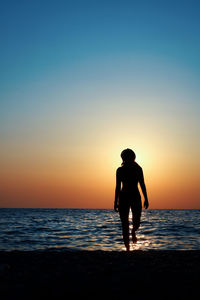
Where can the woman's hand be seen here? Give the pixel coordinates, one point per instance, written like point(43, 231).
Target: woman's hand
point(116, 207)
point(146, 203)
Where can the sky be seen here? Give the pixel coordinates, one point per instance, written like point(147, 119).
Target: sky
point(82, 80)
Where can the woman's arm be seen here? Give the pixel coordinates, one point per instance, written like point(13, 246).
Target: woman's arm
point(117, 191)
point(144, 191)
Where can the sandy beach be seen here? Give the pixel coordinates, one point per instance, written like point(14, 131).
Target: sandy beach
point(99, 274)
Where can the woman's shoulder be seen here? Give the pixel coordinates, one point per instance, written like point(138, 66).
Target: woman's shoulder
point(127, 167)
point(137, 166)
point(119, 169)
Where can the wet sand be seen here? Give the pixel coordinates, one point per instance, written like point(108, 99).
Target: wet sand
point(99, 274)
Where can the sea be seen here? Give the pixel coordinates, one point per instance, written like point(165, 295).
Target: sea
point(96, 229)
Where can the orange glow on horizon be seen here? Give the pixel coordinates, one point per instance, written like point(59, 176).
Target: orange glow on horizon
point(90, 183)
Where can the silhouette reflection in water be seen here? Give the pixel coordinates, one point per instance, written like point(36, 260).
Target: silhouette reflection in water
point(128, 196)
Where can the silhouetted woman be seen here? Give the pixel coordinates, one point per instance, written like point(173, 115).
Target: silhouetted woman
point(128, 197)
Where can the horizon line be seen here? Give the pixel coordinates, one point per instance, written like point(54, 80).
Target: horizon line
point(95, 208)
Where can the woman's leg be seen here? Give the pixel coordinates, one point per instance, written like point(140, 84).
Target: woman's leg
point(124, 214)
point(125, 232)
point(136, 213)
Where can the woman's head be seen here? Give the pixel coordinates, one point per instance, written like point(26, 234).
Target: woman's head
point(128, 156)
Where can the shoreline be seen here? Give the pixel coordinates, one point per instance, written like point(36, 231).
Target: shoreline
point(54, 274)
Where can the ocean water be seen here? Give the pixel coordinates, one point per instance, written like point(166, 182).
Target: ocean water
point(96, 229)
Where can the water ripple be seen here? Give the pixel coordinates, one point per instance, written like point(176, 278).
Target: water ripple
point(32, 229)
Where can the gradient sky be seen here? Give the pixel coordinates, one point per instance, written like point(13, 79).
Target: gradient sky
point(82, 80)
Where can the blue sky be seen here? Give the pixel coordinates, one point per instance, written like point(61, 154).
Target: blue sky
point(55, 47)
point(42, 37)
point(50, 50)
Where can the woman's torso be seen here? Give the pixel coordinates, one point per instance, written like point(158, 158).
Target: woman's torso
point(130, 176)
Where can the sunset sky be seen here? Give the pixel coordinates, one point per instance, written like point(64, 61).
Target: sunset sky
point(82, 80)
